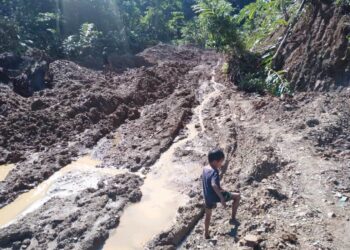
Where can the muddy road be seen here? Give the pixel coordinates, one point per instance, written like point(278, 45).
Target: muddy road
point(112, 161)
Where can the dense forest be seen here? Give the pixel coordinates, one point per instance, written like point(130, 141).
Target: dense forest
point(81, 27)
point(80, 30)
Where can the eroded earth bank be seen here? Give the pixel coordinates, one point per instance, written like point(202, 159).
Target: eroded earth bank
point(113, 161)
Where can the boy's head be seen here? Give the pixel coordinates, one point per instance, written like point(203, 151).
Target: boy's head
point(216, 158)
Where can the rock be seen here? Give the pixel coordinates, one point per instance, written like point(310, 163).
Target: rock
point(331, 215)
point(344, 199)
point(273, 192)
point(288, 107)
point(251, 240)
point(312, 122)
point(289, 237)
point(38, 105)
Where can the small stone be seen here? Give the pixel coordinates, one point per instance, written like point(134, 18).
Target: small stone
point(331, 215)
point(337, 194)
point(261, 230)
point(312, 122)
point(26, 242)
point(251, 240)
point(289, 237)
point(344, 199)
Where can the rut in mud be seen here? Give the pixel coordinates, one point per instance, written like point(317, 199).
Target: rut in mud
point(143, 144)
point(120, 159)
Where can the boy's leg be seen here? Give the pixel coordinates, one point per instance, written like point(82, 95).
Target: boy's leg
point(207, 222)
point(236, 198)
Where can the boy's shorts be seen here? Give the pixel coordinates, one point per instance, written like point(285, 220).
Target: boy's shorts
point(227, 196)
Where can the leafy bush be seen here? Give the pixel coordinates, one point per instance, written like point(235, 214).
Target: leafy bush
point(225, 68)
point(216, 24)
point(257, 20)
point(343, 2)
point(265, 79)
point(190, 34)
point(9, 39)
point(253, 82)
point(276, 84)
point(86, 43)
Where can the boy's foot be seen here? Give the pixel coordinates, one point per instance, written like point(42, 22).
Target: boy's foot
point(234, 221)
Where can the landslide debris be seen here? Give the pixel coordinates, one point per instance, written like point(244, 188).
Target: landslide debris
point(44, 132)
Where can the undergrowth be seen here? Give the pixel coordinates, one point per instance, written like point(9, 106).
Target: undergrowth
point(265, 79)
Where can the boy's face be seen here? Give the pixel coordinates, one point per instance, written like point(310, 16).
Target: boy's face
point(218, 163)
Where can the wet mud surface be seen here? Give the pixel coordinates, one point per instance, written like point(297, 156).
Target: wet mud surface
point(288, 157)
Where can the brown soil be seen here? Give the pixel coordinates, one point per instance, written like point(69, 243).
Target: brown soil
point(289, 157)
point(316, 54)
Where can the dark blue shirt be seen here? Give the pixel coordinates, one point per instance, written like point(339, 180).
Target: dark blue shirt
point(210, 176)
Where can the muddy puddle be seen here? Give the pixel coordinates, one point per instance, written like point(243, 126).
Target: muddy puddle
point(71, 179)
point(4, 170)
point(160, 200)
point(161, 195)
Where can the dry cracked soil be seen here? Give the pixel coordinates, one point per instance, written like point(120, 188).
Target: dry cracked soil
point(148, 130)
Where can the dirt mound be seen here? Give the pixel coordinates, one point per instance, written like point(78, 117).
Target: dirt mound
point(316, 54)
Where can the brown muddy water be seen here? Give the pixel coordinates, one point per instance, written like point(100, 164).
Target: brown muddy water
point(33, 199)
point(159, 203)
point(161, 195)
point(4, 170)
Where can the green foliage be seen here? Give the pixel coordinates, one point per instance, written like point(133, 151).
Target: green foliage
point(266, 80)
point(191, 34)
point(343, 2)
point(269, 81)
point(216, 24)
point(257, 20)
point(9, 40)
point(276, 84)
point(225, 68)
point(253, 82)
point(86, 43)
point(124, 26)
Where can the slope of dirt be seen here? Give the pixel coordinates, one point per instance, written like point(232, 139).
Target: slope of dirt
point(294, 189)
point(316, 54)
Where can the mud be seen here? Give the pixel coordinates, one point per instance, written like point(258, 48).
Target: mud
point(77, 221)
point(4, 170)
point(288, 157)
point(64, 182)
point(281, 172)
point(85, 106)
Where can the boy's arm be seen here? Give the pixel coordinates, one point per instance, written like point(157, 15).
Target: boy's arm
point(217, 190)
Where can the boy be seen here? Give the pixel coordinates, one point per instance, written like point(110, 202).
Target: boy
point(212, 191)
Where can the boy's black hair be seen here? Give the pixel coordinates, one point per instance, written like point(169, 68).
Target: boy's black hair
point(215, 155)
